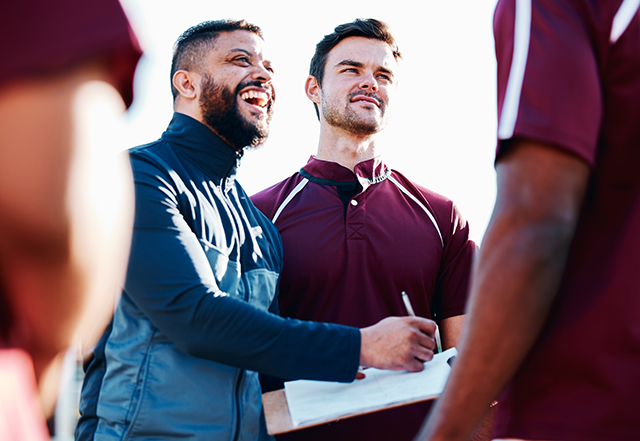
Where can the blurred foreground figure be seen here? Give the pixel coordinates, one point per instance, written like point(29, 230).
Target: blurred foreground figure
point(554, 320)
point(65, 197)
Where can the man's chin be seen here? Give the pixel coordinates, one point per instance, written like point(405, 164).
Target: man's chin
point(365, 128)
point(255, 118)
point(259, 126)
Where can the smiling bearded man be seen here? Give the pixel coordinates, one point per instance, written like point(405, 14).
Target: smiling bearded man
point(220, 112)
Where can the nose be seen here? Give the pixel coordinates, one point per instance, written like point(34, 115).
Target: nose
point(369, 83)
point(262, 74)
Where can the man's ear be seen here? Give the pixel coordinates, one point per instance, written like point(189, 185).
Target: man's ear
point(312, 89)
point(187, 84)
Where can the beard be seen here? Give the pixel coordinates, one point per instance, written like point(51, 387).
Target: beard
point(350, 121)
point(221, 114)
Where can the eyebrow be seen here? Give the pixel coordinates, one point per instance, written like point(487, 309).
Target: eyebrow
point(239, 49)
point(350, 63)
point(359, 64)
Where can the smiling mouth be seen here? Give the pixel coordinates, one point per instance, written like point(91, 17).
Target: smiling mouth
point(366, 99)
point(255, 98)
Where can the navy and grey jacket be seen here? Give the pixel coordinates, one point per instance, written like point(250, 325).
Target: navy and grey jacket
point(191, 330)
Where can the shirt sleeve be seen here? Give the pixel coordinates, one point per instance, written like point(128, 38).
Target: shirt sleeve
point(170, 280)
point(455, 269)
point(458, 253)
point(548, 82)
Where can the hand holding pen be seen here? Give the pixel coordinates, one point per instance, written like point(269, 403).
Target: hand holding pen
point(398, 343)
point(407, 304)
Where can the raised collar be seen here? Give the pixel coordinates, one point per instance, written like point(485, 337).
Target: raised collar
point(322, 172)
point(200, 145)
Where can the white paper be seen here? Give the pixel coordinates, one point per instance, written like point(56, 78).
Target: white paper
point(314, 401)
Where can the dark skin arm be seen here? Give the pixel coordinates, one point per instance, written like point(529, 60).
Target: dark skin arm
point(450, 333)
point(540, 193)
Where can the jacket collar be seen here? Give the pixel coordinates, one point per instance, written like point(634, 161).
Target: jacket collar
point(203, 147)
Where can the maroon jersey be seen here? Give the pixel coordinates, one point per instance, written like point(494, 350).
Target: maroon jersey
point(41, 36)
point(569, 76)
point(348, 255)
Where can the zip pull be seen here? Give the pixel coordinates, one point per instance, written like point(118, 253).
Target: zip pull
point(239, 155)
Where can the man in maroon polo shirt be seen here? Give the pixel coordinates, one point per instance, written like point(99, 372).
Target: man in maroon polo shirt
point(556, 294)
point(356, 234)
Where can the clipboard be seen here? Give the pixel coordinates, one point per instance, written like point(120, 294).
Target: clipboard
point(278, 418)
point(278, 413)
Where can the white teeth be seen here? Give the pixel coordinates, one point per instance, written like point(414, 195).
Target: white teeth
point(262, 97)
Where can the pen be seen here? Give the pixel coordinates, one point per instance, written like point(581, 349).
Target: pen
point(407, 304)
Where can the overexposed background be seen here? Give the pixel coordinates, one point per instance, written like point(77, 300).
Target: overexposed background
point(441, 132)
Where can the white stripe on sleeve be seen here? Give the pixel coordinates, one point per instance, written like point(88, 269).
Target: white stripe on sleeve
point(621, 21)
point(420, 204)
point(522, 34)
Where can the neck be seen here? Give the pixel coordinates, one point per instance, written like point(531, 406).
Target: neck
point(188, 107)
point(345, 148)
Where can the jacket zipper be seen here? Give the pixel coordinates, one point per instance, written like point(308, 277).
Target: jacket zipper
point(236, 163)
point(241, 374)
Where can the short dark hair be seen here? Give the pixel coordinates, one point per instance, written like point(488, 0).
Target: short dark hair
point(367, 28)
point(189, 48)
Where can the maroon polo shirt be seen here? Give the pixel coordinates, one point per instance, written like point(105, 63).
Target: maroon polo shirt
point(348, 255)
point(45, 36)
point(571, 78)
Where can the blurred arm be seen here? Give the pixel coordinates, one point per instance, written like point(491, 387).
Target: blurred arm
point(540, 193)
point(451, 332)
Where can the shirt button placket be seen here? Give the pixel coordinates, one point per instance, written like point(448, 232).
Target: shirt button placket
point(355, 221)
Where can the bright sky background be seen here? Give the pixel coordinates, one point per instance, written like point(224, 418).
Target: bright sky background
point(442, 128)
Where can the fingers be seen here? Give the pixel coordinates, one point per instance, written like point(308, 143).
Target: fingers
point(425, 325)
point(424, 345)
point(414, 365)
point(398, 343)
point(427, 336)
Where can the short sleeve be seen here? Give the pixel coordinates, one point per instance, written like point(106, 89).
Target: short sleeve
point(455, 272)
point(548, 82)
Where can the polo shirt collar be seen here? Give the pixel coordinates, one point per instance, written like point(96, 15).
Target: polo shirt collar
point(329, 173)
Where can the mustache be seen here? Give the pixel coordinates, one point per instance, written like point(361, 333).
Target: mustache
point(368, 95)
